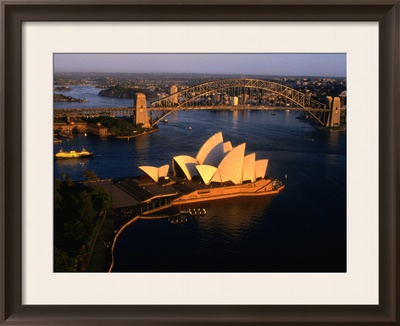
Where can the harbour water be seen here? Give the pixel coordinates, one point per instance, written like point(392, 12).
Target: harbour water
point(90, 94)
point(301, 230)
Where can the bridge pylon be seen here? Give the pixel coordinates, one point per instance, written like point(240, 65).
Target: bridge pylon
point(334, 104)
point(141, 115)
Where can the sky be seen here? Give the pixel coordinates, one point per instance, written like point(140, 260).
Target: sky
point(326, 65)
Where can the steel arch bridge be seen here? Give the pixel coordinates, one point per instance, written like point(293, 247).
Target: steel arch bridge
point(180, 99)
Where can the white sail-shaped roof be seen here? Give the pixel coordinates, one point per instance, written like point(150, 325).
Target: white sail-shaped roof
point(163, 171)
point(216, 161)
point(212, 151)
point(231, 166)
point(186, 164)
point(249, 167)
point(154, 172)
point(151, 171)
point(227, 146)
point(217, 177)
point(261, 168)
point(206, 172)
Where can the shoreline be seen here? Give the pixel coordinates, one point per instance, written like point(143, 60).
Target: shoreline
point(82, 128)
point(134, 136)
point(131, 221)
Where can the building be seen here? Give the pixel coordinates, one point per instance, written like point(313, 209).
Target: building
point(218, 171)
point(217, 161)
point(174, 98)
point(96, 129)
point(235, 101)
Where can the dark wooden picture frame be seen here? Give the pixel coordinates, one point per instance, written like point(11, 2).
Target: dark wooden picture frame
point(14, 12)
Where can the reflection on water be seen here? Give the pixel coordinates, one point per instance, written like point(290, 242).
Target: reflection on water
point(218, 241)
point(73, 163)
point(234, 216)
point(141, 147)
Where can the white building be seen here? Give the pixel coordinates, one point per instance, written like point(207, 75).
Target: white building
point(217, 161)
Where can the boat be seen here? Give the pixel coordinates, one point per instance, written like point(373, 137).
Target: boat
point(73, 154)
point(65, 133)
point(178, 220)
point(197, 211)
point(194, 212)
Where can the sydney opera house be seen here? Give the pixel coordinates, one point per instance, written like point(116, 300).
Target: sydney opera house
point(218, 171)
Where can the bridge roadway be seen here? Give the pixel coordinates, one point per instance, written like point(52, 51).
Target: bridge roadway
point(128, 111)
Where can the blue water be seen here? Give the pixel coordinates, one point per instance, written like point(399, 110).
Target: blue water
point(90, 94)
point(301, 230)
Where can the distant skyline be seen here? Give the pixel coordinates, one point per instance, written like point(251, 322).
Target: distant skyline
point(313, 64)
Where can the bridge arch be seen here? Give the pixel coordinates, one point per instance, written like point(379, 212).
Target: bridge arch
point(315, 108)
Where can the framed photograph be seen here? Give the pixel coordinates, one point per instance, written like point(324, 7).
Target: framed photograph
point(217, 202)
point(199, 163)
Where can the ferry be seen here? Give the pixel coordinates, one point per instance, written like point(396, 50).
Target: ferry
point(73, 154)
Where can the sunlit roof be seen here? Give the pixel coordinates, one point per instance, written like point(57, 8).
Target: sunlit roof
point(216, 161)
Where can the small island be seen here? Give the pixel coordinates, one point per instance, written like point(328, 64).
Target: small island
point(120, 91)
point(64, 98)
point(62, 88)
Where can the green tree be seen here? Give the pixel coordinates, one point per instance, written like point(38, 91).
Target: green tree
point(101, 199)
point(58, 198)
point(75, 209)
point(74, 229)
point(91, 176)
point(62, 262)
point(86, 212)
point(69, 182)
